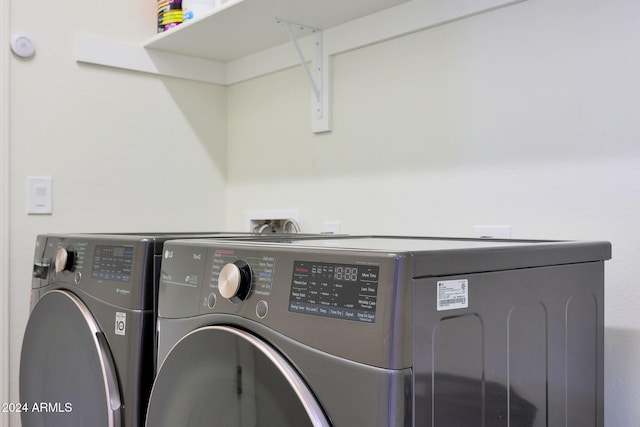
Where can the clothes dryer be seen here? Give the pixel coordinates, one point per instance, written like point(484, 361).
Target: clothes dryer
point(380, 331)
point(89, 349)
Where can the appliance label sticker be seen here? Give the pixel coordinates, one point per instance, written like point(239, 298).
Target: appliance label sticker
point(453, 294)
point(121, 323)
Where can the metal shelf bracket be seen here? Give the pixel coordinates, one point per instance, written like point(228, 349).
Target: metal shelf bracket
point(317, 75)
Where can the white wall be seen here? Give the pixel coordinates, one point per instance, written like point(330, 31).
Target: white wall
point(4, 208)
point(126, 151)
point(524, 116)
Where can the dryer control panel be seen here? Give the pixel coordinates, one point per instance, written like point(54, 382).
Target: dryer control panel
point(342, 291)
point(197, 279)
point(335, 301)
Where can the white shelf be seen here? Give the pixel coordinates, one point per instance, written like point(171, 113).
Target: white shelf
point(242, 27)
point(241, 39)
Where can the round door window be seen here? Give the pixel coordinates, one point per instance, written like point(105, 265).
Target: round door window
point(66, 371)
point(222, 376)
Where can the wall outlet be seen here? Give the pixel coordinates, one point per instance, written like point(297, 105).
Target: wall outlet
point(265, 222)
point(331, 227)
point(492, 231)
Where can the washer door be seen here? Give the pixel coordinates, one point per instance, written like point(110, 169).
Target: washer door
point(223, 376)
point(67, 375)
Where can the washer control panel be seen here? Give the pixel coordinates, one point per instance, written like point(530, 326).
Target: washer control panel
point(59, 258)
point(112, 262)
point(115, 268)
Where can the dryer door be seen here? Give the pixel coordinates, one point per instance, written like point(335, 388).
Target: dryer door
point(223, 376)
point(67, 376)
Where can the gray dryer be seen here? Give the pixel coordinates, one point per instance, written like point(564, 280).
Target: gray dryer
point(381, 331)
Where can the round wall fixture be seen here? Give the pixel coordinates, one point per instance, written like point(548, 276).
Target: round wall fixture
point(22, 45)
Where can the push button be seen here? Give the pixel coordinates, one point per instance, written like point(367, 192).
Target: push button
point(262, 308)
point(211, 300)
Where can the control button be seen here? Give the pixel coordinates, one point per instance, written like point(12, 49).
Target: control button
point(77, 278)
point(262, 308)
point(211, 300)
point(234, 282)
point(64, 260)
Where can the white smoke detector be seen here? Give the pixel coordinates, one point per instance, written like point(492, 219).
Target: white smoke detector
point(22, 45)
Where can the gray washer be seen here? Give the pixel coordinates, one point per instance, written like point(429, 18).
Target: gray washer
point(381, 331)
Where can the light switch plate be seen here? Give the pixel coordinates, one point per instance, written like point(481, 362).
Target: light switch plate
point(40, 197)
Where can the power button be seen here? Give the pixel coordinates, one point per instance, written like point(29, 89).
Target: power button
point(262, 308)
point(211, 300)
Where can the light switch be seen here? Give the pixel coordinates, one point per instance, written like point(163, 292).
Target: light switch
point(39, 198)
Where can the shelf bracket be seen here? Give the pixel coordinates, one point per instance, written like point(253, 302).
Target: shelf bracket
point(316, 74)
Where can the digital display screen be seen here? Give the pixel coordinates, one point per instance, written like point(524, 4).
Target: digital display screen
point(342, 291)
point(112, 263)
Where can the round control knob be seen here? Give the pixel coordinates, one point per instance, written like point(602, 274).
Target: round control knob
point(64, 260)
point(234, 282)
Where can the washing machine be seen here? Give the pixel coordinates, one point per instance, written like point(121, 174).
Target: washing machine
point(89, 349)
point(380, 331)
